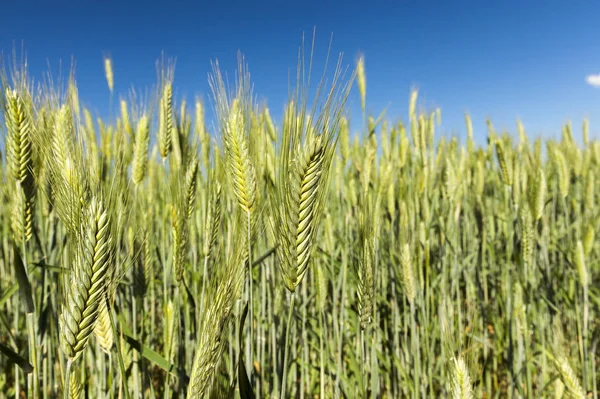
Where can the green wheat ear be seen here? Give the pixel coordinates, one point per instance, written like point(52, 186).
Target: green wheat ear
point(366, 283)
point(165, 124)
point(569, 378)
point(504, 163)
point(212, 221)
point(536, 188)
point(140, 151)
point(408, 276)
point(87, 282)
point(75, 386)
point(214, 325)
point(19, 146)
point(301, 206)
point(461, 386)
point(240, 167)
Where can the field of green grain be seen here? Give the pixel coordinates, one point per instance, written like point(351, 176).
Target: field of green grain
point(153, 254)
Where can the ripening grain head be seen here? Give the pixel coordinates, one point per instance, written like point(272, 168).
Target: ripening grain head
point(108, 71)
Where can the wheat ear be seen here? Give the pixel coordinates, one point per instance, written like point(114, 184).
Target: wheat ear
point(461, 386)
point(297, 225)
point(140, 151)
point(214, 325)
point(165, 120)
point(241, 169)
point(88, 279)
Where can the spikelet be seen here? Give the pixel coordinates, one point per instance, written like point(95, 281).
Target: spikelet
point(181, 134)
point(369, 163)
point(391, 199)
point(271, 130)
point(125, 118)
point(212, 221)
point(403, 148)
point(563, 172)
point(491, 131)
point(567, 133)
point(520, 315)
point(404, 222)
point(344, 139)
point(21, 215)
point(108, 71)
point(589, 200)
point(148, 260)
point(527, 235)
point(523, 141)
point(214, 325)
point(536, 188)
point(412, 105)
point(165, 120)
point(568, 377)
point(579, 263)
point(461, 386)
point(430, 129)
point(361, 81)
point(588, 239)
point(67, 177)
point(516, 178)
point(469, 127)
point(559, 389)
point(170, 338)
point(450, 181)
point(91, 144)
point(408, 277)
point(422, 139)
point(191, 181)
point(479, 178)
point(178, 232)
point(88, 280)
point(75, 386)
point(240, 168)
point(504, 162)
point(103, 330)
point(366, 282)
point(74, 96)
point(301, 205)
point(322, 288)
point(19, 145)
point(140, 152)
point(574, 159)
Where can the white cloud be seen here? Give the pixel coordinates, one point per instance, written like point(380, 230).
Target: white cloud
point(593, 80)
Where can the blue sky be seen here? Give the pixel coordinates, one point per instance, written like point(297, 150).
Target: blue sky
point(504, 60)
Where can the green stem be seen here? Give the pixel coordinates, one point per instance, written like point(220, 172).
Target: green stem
point(286, 348)
point(66, 393)
point(32, 355)
point(119, 355)
point(585, 336)
point(250, 358)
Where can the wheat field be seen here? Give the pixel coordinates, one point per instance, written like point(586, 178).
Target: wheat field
point(155, 254)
